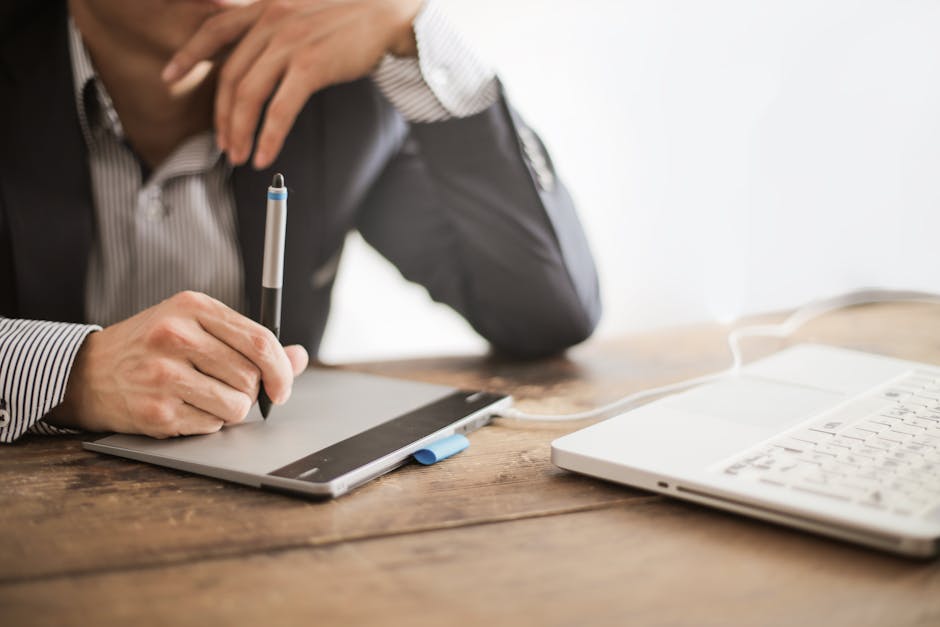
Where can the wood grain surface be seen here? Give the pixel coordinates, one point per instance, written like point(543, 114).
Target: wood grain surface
point(495, 534)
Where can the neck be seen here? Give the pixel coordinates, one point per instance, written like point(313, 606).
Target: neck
point(156, 118)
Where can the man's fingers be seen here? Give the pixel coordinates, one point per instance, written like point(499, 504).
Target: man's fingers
point(233, 71)
point(217, 359)
point(249, 96)
point(169, 417)
point(298, 357)
point(296, 87)
point(214, 397)
point(194, 421)
point(213, 35)
point(254, 342)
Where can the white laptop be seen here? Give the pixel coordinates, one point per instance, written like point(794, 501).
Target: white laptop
point(833, 441)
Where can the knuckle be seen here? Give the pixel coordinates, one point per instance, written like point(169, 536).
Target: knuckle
point(159, 333)
point(168, 334)
point(241, 404)
point(246, 93)
point(307, 64)
point(250, 380)
point(231, 406)
point(277, 111)
point(277, 120)
point(158, 416)
point(268, 145)
point(262, 341)
point(186, 299)
point(215, 25)
point(162, 373)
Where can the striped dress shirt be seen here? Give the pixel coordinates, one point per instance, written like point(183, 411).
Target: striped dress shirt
point(149, 222)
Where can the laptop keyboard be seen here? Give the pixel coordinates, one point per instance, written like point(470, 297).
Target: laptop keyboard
point(881, 450)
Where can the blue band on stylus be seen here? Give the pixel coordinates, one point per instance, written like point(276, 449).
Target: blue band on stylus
point(277, 195)
point(442, 449)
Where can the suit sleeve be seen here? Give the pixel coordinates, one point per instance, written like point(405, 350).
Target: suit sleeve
point(472, 209)
point(36, 358)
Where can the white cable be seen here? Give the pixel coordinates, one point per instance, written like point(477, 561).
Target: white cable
point(784, 329)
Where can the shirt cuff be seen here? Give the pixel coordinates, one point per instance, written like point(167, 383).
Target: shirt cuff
point(36, 359)
point(447, 80)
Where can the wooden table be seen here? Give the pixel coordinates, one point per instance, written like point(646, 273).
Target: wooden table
point(493, 536)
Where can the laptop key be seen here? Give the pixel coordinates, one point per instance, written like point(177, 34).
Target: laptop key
point(791, 446)
point(881, 452)
point(821, 491)
point(811, 435)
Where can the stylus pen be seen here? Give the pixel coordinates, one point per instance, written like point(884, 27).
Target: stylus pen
point(272, 274)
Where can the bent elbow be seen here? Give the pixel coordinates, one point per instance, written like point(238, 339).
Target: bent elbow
point(548, 333)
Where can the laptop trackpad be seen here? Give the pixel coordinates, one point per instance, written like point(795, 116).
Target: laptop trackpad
point(755, 402)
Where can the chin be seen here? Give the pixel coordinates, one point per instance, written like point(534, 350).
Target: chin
point(162, 25)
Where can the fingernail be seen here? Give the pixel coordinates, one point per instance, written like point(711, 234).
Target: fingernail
point(170, 72)
point(261, 159)
point(220, 141)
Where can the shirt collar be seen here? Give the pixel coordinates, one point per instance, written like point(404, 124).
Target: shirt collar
point(95, 108)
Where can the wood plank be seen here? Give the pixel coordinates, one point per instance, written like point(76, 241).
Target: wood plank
point(86, 512)
point(650, 562)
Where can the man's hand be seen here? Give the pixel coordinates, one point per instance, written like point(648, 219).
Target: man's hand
point(188, 365)
point(291, 49)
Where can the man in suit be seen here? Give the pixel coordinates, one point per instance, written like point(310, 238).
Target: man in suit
point(136, 142)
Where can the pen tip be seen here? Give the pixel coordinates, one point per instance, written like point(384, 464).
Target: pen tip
point(278, 180)
point(264, 404)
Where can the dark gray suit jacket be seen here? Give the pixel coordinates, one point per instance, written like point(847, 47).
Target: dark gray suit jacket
point(455, 205)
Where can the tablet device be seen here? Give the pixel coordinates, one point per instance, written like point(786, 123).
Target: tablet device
point(338, 430)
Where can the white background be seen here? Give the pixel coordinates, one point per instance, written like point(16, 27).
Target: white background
point(727, 157)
